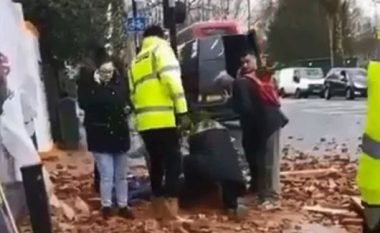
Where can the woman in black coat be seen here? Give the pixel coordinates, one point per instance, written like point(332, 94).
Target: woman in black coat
point(102, 94)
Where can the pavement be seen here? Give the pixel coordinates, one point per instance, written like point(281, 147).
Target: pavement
point(318, 125)
point(329, 125)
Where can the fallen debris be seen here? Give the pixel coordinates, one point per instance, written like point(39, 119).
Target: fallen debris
point(322, 186)
point(54, 202)
point(352, 221)
point(68, 212)
point(82, 206)
point(357, 205)
point(330, 211)
point(310, 172)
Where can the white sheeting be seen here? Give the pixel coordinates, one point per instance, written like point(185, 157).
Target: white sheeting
point(20, 49)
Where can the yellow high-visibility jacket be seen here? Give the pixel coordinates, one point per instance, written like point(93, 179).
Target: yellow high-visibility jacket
point(156, 90)
point(368, 175)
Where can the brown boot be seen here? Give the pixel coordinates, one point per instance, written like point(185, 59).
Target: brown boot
point(158, 208)
point(172, 211)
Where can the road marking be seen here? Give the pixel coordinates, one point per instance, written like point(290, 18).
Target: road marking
point(323, 107)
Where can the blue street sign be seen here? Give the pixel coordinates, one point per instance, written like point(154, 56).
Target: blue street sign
point(136, 24)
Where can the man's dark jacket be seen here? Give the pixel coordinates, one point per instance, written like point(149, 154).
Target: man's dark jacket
point(256, 118)
point(105, 120)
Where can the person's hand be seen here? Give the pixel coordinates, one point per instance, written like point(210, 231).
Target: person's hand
point(127, 110)
point(184, 122)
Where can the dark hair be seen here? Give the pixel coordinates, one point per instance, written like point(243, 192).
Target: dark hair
point(154, 30)
point(247, 51)
point(101, 56)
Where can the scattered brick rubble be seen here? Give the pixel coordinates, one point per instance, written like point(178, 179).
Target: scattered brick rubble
point(314, 190)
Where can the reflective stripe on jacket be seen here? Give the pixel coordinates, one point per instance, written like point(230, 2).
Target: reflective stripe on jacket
point(369, 160)
point(155, 84)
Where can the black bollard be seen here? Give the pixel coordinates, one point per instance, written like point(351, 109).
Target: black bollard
point(69, 123)
point(36, 198)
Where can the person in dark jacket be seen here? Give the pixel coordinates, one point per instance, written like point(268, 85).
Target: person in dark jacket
point(213, 161)
point(102, 94)
point(255, 100)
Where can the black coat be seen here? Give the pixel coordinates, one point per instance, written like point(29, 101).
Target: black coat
point(106, 122)
point(256, 118)
point(213, 159)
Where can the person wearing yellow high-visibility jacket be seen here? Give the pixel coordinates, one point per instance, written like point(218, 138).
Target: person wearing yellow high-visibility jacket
point(368, 175)
point(158, 99)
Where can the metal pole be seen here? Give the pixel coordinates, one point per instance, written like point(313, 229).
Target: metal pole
point(249, 14)
point(170, 5)
point(377, 26)
point(36, 198)
point(134, 12)
point(209, 10)
point(10, 220)
point(202, 11)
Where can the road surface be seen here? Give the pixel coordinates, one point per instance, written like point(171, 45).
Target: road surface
point(317, 125)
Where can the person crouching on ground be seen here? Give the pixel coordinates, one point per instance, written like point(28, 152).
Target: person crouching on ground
point(255, 100)
point(103, 97)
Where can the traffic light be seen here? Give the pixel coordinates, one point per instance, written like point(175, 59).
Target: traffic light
point(174, 12)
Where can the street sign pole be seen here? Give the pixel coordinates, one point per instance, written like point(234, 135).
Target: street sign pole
point(134, 12)
point(169, 15)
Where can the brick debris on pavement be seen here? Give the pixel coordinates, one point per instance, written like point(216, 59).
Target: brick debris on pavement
point(315, 191)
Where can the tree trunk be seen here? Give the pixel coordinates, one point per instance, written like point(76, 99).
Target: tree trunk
point(338, 40)
point(331, 40)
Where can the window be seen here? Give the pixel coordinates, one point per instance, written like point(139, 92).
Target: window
point(185, 36)
point(333, 73)
point(357, 72)
point(313, 73)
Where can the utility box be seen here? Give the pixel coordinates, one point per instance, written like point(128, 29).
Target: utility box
point(69, 123)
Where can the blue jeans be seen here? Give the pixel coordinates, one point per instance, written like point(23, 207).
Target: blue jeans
point(113, 169)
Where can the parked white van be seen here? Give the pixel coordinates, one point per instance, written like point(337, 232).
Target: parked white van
point(301, 82)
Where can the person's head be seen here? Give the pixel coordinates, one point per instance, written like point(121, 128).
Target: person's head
point(248, 61)
point(343, 73)
point(101, 56)
point(154, 30)
point(104, 64)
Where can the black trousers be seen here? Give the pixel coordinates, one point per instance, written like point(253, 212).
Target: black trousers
point(230, 194)
point(372, 217)
point(263, 160)
point(164, 159)
point(198, 184)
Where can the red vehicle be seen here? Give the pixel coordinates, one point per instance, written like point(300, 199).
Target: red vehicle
point(207, 28)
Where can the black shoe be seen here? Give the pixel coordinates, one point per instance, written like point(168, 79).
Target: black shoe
point(106, 212)
point(126, 213)
point(254, 189)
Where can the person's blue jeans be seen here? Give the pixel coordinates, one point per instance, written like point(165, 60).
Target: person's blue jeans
point(113, 169)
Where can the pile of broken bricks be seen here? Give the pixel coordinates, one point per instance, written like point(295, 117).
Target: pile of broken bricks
point(324, 187)
point(321, 189)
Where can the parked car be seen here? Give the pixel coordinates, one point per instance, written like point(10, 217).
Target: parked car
point(300, 82)
point(347, 82)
